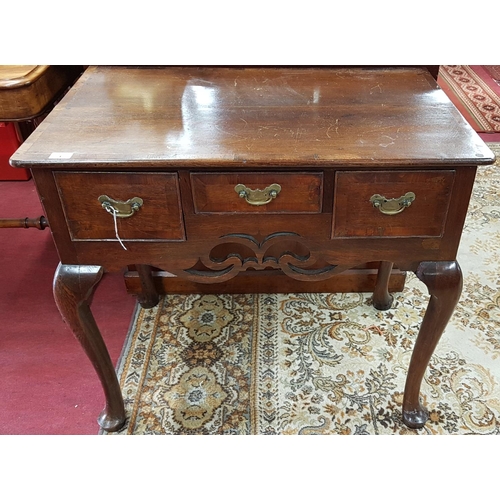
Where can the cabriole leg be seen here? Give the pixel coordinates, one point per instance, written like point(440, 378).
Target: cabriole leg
point(74, 287)
point(148, 297)
point(382, 299)
point(444, 282)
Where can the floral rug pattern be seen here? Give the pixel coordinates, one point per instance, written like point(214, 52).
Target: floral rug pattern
point(321, 363)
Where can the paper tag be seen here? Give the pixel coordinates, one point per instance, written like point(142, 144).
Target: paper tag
point(60, 156)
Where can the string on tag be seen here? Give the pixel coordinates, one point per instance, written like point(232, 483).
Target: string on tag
point(112, 210)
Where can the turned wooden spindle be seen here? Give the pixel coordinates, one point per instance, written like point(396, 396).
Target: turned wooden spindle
point(39, 223)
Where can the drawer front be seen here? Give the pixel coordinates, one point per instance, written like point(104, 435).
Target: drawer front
point(297, 192)
point(158, 218)
point(356, 216)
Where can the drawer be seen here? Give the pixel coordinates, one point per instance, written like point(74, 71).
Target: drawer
point(158, 218)
point(297, 192)
point(356, 216)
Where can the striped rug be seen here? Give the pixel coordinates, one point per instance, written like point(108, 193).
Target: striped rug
point(475, 93)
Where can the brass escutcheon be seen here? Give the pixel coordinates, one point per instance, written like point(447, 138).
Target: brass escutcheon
point(394, 205)
point(258, 196)
point(121, 209)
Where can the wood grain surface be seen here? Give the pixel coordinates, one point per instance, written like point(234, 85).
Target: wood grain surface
point(236, 117)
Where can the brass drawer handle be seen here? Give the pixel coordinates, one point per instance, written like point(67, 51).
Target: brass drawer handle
point(258, 196)
point(394, 205)
point(120, 209)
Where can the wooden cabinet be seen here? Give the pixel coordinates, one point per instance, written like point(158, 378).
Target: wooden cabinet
point(305, 172)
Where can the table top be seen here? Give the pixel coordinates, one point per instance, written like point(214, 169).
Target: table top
point(19, 75)
point(28, 91)
point(240, 117)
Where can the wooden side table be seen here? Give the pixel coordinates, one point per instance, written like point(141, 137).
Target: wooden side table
point(208, 173)
point(27, 94)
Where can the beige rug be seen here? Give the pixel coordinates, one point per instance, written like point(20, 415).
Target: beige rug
point(321, 363)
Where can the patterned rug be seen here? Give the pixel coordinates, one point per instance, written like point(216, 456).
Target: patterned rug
point(321, 363)
point(475, 93)
point(494, 72)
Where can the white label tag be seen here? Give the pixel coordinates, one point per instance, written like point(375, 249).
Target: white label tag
point(60, 156)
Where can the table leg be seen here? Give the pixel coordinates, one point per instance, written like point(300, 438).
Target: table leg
point(148, 297)
point(74, 287)
point(382, 299)
point(444, 282)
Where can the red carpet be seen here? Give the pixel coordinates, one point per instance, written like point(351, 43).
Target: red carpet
point(494, 72)
point(47, 386)
point(475, 93)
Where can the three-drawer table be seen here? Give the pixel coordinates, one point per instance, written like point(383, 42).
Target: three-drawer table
point(209, 173)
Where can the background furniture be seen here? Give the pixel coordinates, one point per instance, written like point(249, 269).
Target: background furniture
point(27, 94)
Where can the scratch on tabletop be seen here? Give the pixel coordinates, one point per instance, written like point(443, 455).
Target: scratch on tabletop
point(201, 80)
point(331, 126)
point(229, 133)
point(376, 87)
point(389, 143)
point(386, 127)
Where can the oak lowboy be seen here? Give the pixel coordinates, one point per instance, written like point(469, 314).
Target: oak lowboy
point(213, 173)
